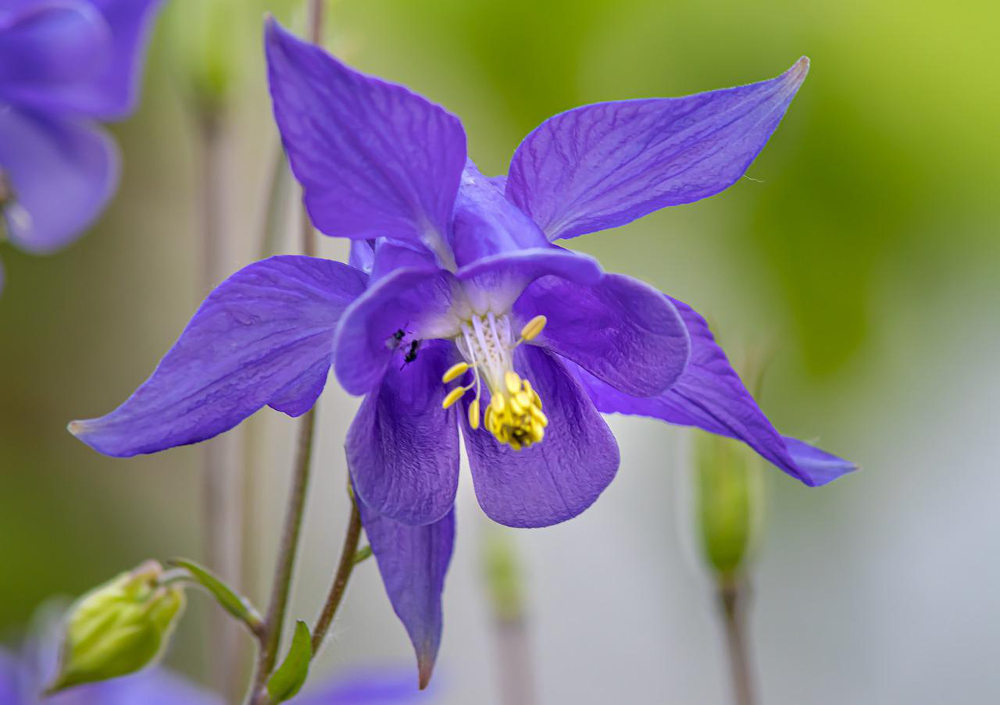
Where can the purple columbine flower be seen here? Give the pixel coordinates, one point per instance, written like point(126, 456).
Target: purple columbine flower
point(455, 293)
point(63, 64)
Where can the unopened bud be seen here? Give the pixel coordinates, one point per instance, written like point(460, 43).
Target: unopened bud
point(729, 486)
point(119, 627)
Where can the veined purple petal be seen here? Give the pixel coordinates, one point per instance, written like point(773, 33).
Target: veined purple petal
point(495, 282)
point(402, 447)
point(264, 336)
point(52, 46)
point(711, 396)
point(375, 159)
point(604, 165)
point(47, 160)
point(409, 304)
point(413, 561)
point(622, 331)
point(485, 223)
point(108, 85)
point(362, 255)
point(553, 480)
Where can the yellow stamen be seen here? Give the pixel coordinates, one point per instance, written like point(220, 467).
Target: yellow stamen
point(453, 396)
point(455, 371)
point(513, 381)
point(533, 327)
point(474, 414)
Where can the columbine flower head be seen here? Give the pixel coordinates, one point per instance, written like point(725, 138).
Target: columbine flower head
point(63, 63)
point(458, 310)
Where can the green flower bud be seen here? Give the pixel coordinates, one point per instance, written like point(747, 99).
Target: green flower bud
point(729, 486)
point(119, 627)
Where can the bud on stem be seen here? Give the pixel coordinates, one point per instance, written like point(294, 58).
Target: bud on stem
point(119, 627)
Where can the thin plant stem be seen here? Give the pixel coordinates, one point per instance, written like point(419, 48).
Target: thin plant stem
point(517, 684)
point(348, 559)
point(281, 586)
point(732, 603)
point(220, 475)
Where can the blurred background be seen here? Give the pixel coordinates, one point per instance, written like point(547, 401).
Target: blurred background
point(862, 253)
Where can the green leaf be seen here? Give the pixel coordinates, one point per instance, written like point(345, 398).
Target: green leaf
point(228, 599)
point(285, 682)
point(363, 554)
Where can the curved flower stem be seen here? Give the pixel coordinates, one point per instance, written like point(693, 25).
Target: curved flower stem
point(348, 559)
point(281, 586)
point(732, 601)
point(221, 476)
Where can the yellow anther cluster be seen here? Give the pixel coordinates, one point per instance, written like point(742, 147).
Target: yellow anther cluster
point(514, 415)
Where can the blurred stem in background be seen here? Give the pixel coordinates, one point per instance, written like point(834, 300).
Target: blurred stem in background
point(205, 36)
point(729, 486)
point(505, 581)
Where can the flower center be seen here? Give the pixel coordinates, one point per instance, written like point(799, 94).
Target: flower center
point(514, 415)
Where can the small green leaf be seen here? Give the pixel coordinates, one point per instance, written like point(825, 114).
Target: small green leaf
point(285, 682)
point(228, 599)
point(364, 553)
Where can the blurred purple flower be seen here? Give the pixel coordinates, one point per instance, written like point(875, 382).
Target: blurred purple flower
point(24, 677)
point(63, 64)
point(454, 276)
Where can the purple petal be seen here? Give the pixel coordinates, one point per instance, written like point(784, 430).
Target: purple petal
point(601, 166)
point(109, 89)
point(375, 159)
point(711, 396)
point(10, 678)
point(362, 255)
point(371, 686)
point(413, 561)
point(264, 336)
point(402, 447)
point(485, 223)
point(50, 47)
point(553, 480)
point(391, 255)
point(408, 300)
point(49, 161)
point(621, 330)
point(494, 283)
point(155, 687)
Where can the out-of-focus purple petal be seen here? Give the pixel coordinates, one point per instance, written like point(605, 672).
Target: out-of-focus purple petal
point(153, 687)
point(553, 480)
point(621, 330)
point(51, 47)
point(413, 561)
point(495, 282)
point(485, 223)
point(10, 679)
point(414, 302)
point(265, 335)
point(63, 174)
point(402, 447)
point(370, 686)
point(375, 159)
point(110, 87)
point(711, 396)
point(600, 166)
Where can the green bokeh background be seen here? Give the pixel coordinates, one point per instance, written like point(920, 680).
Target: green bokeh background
point(861, 252)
